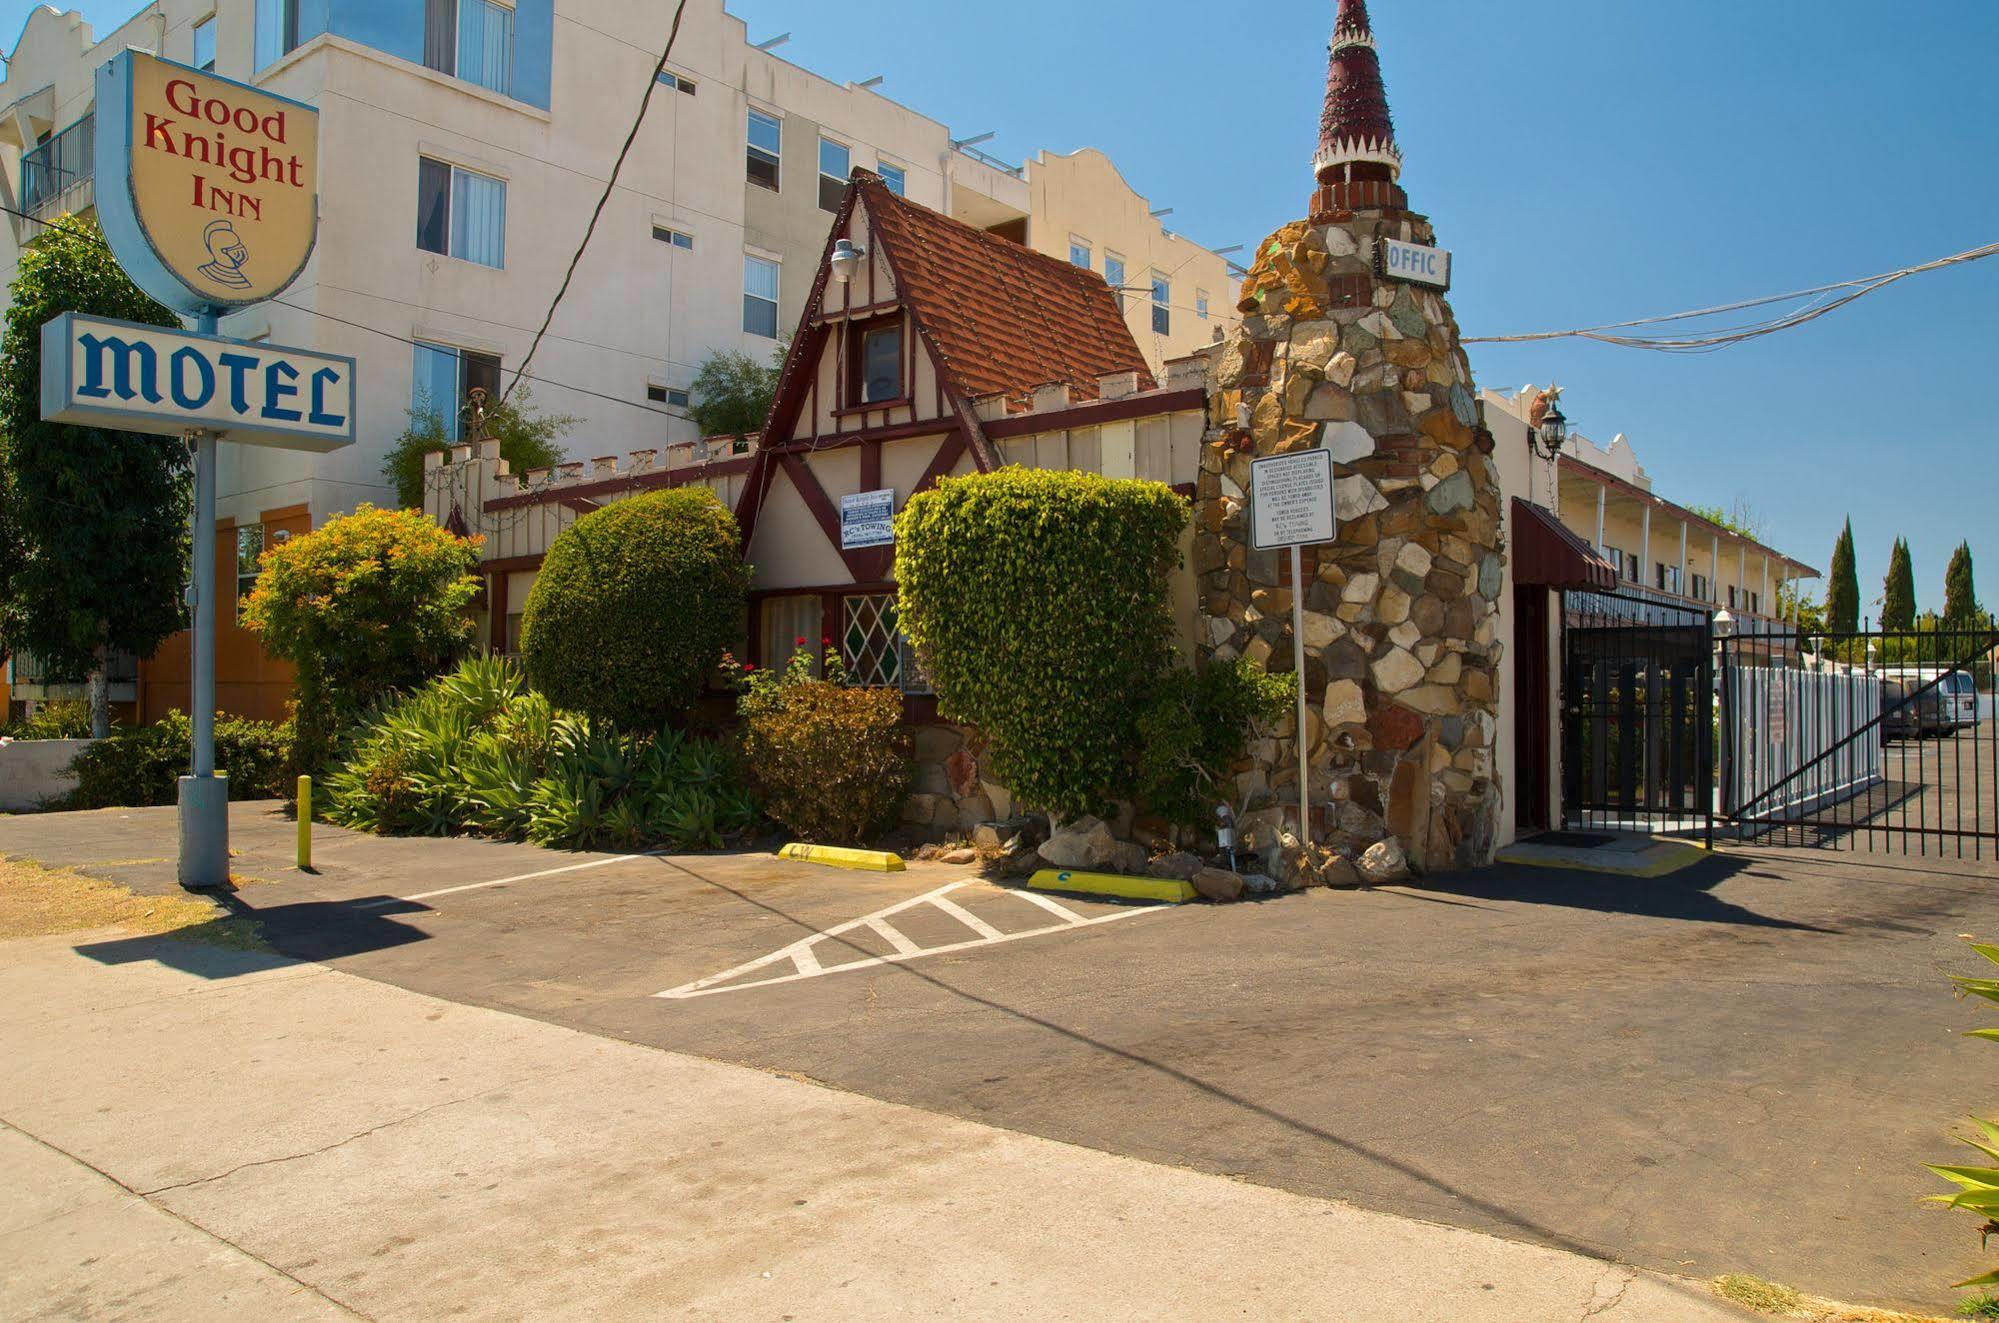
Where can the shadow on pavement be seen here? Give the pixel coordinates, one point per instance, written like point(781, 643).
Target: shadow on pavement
point(307, 931)
point(1685, 895)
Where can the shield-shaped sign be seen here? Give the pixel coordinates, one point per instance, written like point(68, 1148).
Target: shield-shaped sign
point(207, 189)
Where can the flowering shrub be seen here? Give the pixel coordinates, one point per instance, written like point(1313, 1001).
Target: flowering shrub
point(478, 752)
point(1037, 600)
point(634, 605)
point(832, 762)
point(366, 605)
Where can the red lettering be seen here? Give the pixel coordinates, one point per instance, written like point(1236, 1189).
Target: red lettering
point(186, 89)
point(158, 135)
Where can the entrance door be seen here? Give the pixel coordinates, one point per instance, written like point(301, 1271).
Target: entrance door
point(1533, 680)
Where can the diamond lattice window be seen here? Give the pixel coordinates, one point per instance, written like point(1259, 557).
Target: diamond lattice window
point(871, 642)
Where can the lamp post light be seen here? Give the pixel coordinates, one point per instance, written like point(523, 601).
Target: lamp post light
point(1546, 439)
point(846, 260)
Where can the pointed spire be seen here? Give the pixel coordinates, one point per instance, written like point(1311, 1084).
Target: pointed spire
point(1356, 127)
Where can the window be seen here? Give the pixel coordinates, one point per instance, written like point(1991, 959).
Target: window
point(461, 214)
point(1631, 569)
point(679, 399)
point(1756, 604)
point(1114, 275)
point(766, 149)
point(792, 624)
point(204, 45)
point(1731, 597)
point(873, 647)
point(1081, 255)
point(59, 162)
point(877, 363)
point(1201, 304)
point(1162, 305)
point(1669, 578)
point(667, 395)
point(277, 30)
point(676, 82)
point(1700, 586)
point(443, 376)
point(760, 297)
point(896, 178)
point(249, 558)
point(472, 40)
point(835, 164)
point(678, 238)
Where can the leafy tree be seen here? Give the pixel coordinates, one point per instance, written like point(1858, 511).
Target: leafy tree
point(1898, 592)
point(529, 439)
point(93, 522)
point(634, 606)
point(1842, 594)
point(1960, 592)
point(1741, 519)
point(1037, 600)
point(367, 604)
point(1809, 612)
point(733, 393)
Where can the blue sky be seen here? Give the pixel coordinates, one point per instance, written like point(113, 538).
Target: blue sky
point(1588, 161)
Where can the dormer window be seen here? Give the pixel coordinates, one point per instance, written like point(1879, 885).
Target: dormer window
point(880, 362)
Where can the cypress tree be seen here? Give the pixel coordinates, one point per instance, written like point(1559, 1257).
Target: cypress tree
point(1960, 593)
point(1898, 593)
point(1842, 595)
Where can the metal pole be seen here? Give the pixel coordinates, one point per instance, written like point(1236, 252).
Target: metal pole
point(204, 796)
point(1298, 654)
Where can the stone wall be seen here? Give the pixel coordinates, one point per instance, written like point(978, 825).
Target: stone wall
point(1403, 656)
point(33, 772)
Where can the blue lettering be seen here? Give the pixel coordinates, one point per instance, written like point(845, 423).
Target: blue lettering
point(240, 366)
point(126, 354)
point(274, 390)
point(177, 379)
point(319, 417)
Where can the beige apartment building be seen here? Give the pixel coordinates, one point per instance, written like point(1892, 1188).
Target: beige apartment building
point(464, 146)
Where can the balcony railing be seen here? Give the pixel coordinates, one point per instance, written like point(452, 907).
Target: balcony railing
point(30, 670)
point(57, 166)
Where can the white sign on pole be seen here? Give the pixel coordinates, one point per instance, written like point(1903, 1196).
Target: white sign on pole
point(1291, 500)
point(867, 519)
point(98, 372)
point(1416, 264)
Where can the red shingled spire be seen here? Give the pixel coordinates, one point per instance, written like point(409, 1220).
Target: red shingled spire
point(1356, 128)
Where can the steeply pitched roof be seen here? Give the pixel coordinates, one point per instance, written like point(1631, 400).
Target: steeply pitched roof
point(1003, 318)
point(1356, 125)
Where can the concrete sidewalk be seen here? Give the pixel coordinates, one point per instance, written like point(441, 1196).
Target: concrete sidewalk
point(193, 1133)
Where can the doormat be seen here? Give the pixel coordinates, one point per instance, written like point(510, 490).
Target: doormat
point(1573, 840)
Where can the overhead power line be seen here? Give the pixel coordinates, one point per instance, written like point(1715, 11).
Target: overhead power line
point(1705, 342)
point(603, 200)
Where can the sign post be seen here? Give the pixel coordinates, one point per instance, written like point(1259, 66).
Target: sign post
point(1291, 506)
point(208, 194)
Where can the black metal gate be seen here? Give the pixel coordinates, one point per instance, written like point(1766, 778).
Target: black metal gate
point(1637, 714)
point(1876, 740)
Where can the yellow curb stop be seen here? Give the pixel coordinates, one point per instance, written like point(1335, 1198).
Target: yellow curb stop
point(1167, 891)
point(834, 856)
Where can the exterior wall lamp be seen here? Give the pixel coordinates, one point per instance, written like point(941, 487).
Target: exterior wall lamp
point(846, 260)
point(1553, 433)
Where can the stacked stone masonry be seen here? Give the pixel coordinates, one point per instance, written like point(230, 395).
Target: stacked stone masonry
point(1402, 646)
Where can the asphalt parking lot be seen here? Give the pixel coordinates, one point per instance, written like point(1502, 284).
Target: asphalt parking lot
point(1738, 1068)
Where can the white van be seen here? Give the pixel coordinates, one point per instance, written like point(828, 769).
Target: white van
point(1956, 695)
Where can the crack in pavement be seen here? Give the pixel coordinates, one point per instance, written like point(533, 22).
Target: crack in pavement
point(1623, 1288)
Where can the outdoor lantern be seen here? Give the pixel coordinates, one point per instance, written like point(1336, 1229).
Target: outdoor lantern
point(846, 260)
point(1555, 427)
point(1724, 624)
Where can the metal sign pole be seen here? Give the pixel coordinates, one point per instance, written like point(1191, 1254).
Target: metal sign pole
point(1298, 654)
point(204, 797)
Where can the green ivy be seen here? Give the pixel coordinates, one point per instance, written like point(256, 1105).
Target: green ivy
point(634, 607)
point(1197, 724)
point(1037, 600)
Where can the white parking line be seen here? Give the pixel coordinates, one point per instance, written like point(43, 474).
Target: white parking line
point(803, 956)
point(507, 881)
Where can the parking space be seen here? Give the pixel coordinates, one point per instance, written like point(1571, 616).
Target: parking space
point(1738, 1068)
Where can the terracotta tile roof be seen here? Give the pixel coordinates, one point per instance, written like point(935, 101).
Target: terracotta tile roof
point(1004, 318)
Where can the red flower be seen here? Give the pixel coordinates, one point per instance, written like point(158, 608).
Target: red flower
point(799, 641)
point(748, 667)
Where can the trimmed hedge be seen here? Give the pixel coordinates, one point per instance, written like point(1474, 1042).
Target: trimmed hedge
point(634, 607)
point(142, 768)
point(1196, 724)
point(831, 761)
point(1037, 600)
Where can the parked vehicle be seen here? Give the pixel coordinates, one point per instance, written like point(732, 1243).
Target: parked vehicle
point(1946, 700)
point(1904, 717)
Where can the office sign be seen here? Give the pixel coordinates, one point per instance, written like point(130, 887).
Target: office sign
point(1291, 500)
point(208, 189)
point(1415, 263)
point(867, 519)
point(103, 373)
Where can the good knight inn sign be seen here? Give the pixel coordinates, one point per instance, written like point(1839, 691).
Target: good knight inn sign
point(218, 182)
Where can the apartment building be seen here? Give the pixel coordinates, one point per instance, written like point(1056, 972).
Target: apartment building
point(464, 146)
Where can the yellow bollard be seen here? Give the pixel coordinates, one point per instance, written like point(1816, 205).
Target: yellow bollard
point(305, 824)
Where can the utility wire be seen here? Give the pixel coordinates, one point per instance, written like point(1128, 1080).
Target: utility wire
point(610, 186)
point(1701, 342)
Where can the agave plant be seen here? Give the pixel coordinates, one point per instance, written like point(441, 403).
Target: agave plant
point(1978, 1186)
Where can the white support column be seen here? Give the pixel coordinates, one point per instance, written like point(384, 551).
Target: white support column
point(1769, 603)
point(1602, 496)
point(1683, 560)
point(1714, 573)
point(1741, 577)
point(1645, 552)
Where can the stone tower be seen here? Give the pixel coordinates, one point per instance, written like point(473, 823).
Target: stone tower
point(1402, 649)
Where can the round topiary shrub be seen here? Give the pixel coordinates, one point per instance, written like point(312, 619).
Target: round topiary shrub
point(634, 606)
point(1037, 600)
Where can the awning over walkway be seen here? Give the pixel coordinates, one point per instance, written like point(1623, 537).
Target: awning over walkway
point(1547, 553)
